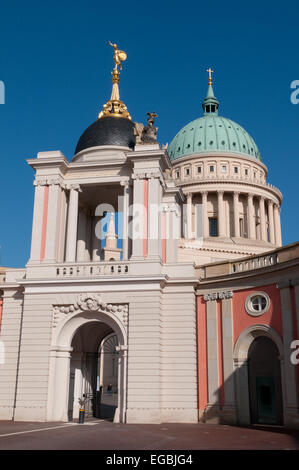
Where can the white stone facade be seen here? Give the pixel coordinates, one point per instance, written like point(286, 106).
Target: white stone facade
point(143, 287)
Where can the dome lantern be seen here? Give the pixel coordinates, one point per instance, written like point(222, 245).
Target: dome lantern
point(210, 104)
point(212, 133)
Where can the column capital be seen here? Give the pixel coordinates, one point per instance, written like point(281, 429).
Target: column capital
point(236, 193)
point(220, 193)
point(250, 195)
point(125, 184)
point(52, 181)
point(75, 187)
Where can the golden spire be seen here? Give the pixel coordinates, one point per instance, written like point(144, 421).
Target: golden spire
point(210, 71)
point(115, 107)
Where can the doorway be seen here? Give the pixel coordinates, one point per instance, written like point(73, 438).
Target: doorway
point(264, 376)
point(94, 373)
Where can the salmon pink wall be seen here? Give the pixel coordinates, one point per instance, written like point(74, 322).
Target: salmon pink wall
point(242, 320)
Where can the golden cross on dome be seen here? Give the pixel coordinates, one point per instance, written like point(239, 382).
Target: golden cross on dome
point(210, 71)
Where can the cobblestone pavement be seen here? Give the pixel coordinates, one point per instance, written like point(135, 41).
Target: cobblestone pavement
point(96, 435)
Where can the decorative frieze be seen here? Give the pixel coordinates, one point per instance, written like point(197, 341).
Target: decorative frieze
point(49, 181)
point(90, 303)
point(55, 181)
point(218, 295)
point(141, 175)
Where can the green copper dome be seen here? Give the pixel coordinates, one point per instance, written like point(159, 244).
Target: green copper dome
point(212, 133)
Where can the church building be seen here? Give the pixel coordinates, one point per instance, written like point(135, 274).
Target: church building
point(157, 288)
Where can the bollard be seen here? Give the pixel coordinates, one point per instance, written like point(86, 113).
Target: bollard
point(81, 416)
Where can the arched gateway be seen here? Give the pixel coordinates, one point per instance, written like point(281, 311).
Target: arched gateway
point(258, 355)
point(75, 364)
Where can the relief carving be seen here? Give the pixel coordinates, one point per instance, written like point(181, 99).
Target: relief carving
point(90, 303)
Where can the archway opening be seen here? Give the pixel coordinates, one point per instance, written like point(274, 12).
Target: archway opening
point(94, 372)
point(264, 377)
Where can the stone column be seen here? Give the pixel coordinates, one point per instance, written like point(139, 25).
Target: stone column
point(95, 241)
point(137, 223)
point(88, 247)
point(251, 218)
point(263, 220)
point(154, 218)
point(173, 233)
point(189, 215)
point(81, 242)
point(125, 185)
point(236, 215)
point(53, 221)
point(228, 364)
point(271, 221)
point(59, 381)
point(205, 218)
point(289, 378)
point(277, 225)
point(212, 360)
point(221, 215)
point(72, 224)
point(37, 223)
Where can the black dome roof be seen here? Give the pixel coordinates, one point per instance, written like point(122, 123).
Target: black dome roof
point(108, 131)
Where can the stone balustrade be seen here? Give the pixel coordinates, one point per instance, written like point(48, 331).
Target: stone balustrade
point(255, 263)
point(242, 266)
point(92, 269)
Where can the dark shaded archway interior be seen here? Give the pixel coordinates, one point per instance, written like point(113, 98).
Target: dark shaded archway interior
point(84, 373)
point(264, 377)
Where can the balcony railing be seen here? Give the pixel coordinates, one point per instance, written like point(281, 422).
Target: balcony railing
point(93, 269)
point(255, 263)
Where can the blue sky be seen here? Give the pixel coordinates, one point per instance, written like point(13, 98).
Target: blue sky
point(55, 62)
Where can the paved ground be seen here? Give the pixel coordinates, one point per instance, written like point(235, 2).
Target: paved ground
point(97, 435)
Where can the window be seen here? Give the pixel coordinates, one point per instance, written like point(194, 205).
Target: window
point(256, 304)
point(199, 169)
point(223, 168)
point(236, 169)
point(213, 227)
point(246, 172)
point(211, 168)
point(177, 175)
point(187, 172)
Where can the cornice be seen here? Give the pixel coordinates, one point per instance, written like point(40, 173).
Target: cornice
point(218, 155)
point(226, 181)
